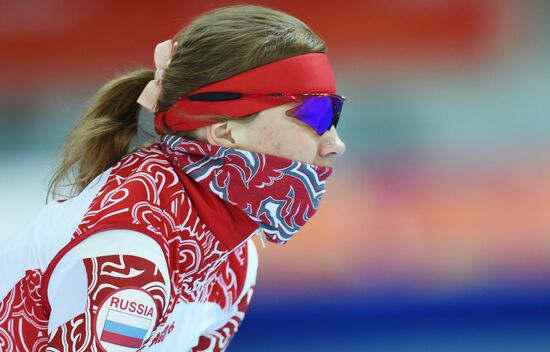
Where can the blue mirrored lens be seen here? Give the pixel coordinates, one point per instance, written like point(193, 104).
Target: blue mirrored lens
point(317, 112)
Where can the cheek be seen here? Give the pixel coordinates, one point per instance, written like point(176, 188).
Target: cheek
point(293, 142)
point(282, 136)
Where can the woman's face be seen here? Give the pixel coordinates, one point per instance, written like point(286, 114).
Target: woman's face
point(273, 132)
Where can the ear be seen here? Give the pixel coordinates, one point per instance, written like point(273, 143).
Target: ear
point(221, 134)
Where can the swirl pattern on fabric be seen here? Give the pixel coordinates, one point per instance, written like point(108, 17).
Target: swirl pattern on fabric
point(279, 194)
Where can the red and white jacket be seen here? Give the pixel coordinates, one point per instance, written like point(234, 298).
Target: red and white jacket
point(131, 263)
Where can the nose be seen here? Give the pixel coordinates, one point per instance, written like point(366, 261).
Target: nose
point(331, 144)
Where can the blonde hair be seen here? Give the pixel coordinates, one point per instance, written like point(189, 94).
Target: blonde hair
point(213, 46)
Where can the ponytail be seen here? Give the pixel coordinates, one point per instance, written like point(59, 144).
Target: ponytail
point(214, 46)
point(102, 136)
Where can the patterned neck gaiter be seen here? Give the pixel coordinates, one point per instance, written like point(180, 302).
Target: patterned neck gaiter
point(280, 195)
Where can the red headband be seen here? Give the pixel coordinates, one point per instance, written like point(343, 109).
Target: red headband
point(308, 73)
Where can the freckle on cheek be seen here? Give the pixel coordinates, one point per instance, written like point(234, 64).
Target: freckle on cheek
point(278, 147)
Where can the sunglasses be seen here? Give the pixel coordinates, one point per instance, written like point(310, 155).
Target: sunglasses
point(320, 111)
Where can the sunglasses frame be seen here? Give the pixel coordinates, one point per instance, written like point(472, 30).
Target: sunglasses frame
point(224, 96)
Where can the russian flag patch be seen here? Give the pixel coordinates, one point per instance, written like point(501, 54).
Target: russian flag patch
point(125, 319)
